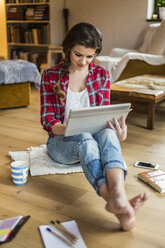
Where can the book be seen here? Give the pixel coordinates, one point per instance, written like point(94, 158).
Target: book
point(156, 179)
point(35, 35)
point(7, 225)
point(10, 227)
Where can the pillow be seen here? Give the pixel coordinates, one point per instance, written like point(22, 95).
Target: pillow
point(148, 35)
point(157, 44)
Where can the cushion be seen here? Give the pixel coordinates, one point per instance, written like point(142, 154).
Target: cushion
point(157, 44)
point(148, 36)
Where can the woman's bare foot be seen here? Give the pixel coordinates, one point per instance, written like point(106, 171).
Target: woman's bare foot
point(124, 210)
point(117, 202)
point(126, 221)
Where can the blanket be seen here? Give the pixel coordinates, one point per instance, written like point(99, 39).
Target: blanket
point(40, 163)
point(19, 71)
point(148, 84)
point(117, 64)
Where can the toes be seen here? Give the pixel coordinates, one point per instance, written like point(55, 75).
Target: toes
point(145, 196)
point(138, 200)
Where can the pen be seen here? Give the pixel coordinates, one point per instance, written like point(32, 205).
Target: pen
point(58, 236)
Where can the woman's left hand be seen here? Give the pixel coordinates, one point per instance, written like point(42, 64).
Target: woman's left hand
point(120, 129)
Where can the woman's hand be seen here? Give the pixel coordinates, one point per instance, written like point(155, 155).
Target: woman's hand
point(59, 128)
point(120, 129)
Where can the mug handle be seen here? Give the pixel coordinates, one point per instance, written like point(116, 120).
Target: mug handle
point(24, 175)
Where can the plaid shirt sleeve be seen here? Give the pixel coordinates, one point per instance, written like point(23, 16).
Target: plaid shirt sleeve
point(106, 88)
point(98, 84)
point(49, 103)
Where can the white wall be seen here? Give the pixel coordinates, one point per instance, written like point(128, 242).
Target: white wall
point(121, 21)
point(57, 22)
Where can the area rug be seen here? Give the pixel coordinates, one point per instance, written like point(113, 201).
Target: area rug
point(40, 163)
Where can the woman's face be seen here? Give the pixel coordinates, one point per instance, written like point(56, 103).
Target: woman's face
point(81, 57)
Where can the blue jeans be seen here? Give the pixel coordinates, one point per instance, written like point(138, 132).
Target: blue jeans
point(97, 153)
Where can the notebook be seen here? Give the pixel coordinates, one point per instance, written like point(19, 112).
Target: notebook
point(94, 119)
point(51, 241)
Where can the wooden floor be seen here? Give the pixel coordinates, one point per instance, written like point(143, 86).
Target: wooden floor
point(70, 197)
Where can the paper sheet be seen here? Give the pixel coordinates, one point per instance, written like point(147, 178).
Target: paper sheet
point(51, 241)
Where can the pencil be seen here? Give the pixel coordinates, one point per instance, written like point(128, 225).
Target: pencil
point(60, 226)
point(67, 235)
point(71, 234)
point(58, 236)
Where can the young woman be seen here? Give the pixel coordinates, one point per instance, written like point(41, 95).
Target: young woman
point(77, 82)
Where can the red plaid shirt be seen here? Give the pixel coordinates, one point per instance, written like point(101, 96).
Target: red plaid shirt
point(98, 86)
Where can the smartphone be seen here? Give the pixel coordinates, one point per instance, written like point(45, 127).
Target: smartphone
point(146, 165)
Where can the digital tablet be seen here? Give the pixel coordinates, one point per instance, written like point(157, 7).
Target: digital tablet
point(94, 119)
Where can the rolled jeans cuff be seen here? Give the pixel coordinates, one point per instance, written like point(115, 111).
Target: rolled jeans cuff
point(116, 165)
point(99, 183)
point(104, 181)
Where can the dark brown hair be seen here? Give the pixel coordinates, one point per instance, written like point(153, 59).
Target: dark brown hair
point(84, 34)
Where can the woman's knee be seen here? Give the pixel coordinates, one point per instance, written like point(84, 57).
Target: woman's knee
point(108, 133)
point(85, 136)
point(107, 137)
point(79, 137)
point(111, 136)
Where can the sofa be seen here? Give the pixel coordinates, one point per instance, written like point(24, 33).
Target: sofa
point(148, 59)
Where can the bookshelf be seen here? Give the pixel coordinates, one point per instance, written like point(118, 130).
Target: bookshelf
point(28, 30)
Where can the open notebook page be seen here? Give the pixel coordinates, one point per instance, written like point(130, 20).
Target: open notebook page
point(51, 241)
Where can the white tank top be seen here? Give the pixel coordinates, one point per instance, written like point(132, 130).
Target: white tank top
point(76, 100)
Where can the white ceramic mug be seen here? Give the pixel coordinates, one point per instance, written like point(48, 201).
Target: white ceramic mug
point(19, 172)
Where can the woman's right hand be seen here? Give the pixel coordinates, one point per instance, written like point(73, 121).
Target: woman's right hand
point(59, 129)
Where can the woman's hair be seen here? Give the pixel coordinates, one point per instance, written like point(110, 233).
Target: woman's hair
point(84, 34)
